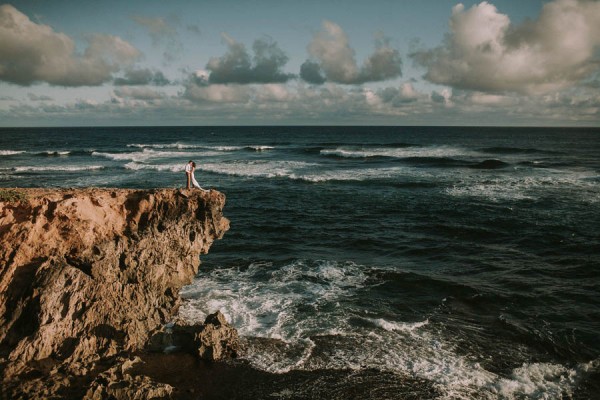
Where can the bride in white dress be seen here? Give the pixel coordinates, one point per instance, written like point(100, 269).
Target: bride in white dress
point(194, 181)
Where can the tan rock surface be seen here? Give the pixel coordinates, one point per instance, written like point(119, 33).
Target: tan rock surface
point(87, 274)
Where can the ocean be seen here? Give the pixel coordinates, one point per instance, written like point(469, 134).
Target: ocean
point(415, 262)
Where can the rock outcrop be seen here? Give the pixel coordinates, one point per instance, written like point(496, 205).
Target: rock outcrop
point(88, 275)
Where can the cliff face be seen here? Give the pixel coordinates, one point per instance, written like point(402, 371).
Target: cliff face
point(88, 274)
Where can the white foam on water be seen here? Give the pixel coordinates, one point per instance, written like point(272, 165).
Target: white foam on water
point(150, 154)
point(257, 168)
point(189, 146)
point(397, 326)
point(136, 156)
point(67, 168)
point(225, 148)
point(11, 152)
point(302, 316)
point(136, 166)
point(176, 145)
point(262, 301)
point(56, 153)
point(403, 152)
point(261, 148)
point(527, 187)
point(308, 172)
point(542, 381)
point(358, 175)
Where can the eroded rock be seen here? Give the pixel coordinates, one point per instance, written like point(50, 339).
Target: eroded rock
point(216, 339)
point(87, 274)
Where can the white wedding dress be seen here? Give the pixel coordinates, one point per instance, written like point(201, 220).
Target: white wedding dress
point(195, 182)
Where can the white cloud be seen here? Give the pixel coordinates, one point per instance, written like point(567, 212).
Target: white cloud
point(485, 52)
point(299, 103)
point(138, 93)
point(216, 93)
point(332, 59)
point(273, 92)
point(406, 93)
point(31, 53)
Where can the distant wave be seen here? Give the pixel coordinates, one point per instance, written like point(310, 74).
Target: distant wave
point(143, 155)
point(186, 146)
point(53, 153)
point(238, 148)
point(357, 175)
point(66, 168)
point(256, 169)
point(401, 152)
point(372, 145)
point(11, 152)
point(156, 167)
point(260, 148)
point(574, 186)
point(304, 171)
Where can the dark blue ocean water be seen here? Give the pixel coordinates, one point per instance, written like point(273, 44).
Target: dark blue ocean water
point(467, 257)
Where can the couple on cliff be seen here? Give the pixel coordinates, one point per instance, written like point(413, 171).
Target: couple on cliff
point(191, 179)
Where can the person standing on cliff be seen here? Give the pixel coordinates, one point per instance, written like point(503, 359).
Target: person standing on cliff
point(188, 173)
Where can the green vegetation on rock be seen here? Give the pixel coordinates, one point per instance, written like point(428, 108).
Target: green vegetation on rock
point(12, 195)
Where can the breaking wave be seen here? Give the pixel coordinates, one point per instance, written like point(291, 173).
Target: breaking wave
point(65, 168)
point(303, 316)
point(189, 146)
point(402, 152)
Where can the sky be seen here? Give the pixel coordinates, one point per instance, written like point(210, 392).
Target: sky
point(283, 62)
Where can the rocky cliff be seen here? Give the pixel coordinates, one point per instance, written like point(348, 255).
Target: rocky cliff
point(87, 276)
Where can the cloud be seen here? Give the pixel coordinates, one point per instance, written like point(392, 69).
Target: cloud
point(236, 66)
point(31, 53)
point(197, 89)
point(406, 93)
point(34, 97)
point(142, 77)
point(311, 72)
point(485, 52)
point(300, 103)
point(332, 59)
point(138, 93)
point(163, 32)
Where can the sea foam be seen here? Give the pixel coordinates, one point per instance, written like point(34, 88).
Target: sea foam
point(301, 316)
point(66, 168)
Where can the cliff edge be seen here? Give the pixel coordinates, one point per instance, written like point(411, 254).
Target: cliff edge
point(88, 275)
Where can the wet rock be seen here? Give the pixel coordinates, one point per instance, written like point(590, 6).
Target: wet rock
point(217, 340)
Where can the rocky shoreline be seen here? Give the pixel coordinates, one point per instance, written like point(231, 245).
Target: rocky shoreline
point(88, 280)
